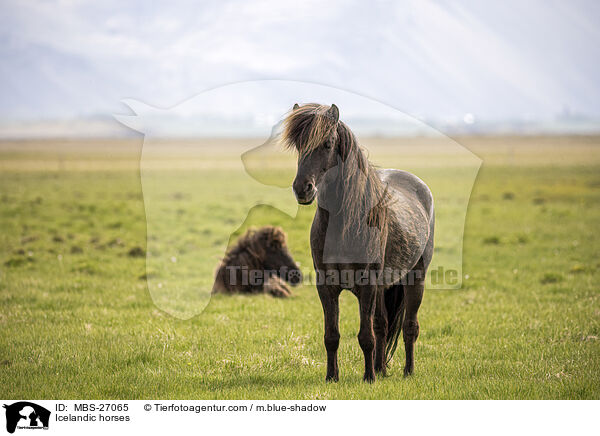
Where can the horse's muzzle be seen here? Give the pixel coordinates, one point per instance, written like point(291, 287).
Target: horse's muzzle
point(304, 191)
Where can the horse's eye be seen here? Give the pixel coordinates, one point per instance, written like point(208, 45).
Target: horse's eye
point(328, 145)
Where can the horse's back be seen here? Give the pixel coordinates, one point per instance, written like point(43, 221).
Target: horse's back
point(410, 186)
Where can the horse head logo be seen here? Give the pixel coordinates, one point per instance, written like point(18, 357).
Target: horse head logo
point(195, 197)
point(25, 414)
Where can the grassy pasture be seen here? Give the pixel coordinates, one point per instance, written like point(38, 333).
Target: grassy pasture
point(78, 319)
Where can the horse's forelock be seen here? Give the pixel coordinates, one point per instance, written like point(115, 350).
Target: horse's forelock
point(307, 127)
point(278, 235)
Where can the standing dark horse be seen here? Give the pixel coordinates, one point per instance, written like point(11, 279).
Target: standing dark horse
point(372, 234)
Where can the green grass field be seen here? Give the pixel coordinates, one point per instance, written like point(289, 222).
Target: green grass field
point(78, 320)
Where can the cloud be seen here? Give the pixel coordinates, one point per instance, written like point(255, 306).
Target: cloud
point(495, 60)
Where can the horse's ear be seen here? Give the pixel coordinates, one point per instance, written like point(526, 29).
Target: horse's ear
point(296, 106)
point(334, 112)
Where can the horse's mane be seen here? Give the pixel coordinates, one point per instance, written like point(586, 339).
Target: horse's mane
point(254, 242)
point(249, 252)
point(366, 200)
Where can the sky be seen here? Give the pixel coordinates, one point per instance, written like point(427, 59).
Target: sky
point(487, 60)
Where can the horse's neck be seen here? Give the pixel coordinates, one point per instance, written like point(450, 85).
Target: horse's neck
point(330, 198)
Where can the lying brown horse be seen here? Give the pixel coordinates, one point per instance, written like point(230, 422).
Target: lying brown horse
point(372, 234)
point(259, 262)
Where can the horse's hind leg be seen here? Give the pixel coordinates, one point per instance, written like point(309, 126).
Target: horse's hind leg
point(410, 326)
point(380, 325)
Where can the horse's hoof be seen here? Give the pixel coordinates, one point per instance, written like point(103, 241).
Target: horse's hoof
point(369, 378)
point(408, 372)
point(332, 379)
point(381, 373)
point(381, 370)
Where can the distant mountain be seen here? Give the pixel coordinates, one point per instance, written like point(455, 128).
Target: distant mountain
point(512, 60)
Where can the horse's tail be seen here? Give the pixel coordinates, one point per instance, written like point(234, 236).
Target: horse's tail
point(394, 305)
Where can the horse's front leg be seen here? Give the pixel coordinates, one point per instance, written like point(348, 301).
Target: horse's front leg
point(366, 335)
point(380, 324)
point(330, 301)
